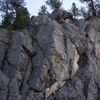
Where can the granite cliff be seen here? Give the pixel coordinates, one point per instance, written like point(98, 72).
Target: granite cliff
point(51, 59)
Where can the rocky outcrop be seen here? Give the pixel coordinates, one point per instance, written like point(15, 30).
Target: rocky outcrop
point(61, 15)
point(58, 14)
point(51, 61)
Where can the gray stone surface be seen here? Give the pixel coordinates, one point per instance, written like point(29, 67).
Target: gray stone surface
point(4, 36)
point(67, 15)
point(11, 72)
point(4, 81)
point(4, 41)
point(56, 14)
point(51, 60)
point(14, 90)
point(17, 54)
point(3, 50)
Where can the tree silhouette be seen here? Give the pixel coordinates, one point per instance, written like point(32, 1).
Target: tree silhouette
point(54, 3)
point(74, 10)
point(14, 14)
point(91, 6)
point(43, 10)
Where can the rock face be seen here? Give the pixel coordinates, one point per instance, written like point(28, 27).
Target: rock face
point(51, 61)
point(59, 14)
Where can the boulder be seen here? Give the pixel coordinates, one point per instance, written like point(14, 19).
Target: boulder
point(56, 14)
point(67, 15)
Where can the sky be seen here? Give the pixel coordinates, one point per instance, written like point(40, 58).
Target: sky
point(33, 6)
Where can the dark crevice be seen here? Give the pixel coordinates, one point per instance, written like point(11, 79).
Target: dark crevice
point(68, 30)
point(5, 56)
point(40, 47)
point(97, 85)
point(67, 82)
point(98, 98)
point(4, 42)
point(32, 69)
point(65, 40)
point(51, 66)
point(70, 67)
point(37, 91)
point(85, 89)
point(10, 63)
point(8, 89)
point(50, 80)
point(86, 35)
point(90, 40)
point(83, 64)
point(93, 51)
point(52, 95)
point(82, 60)
point(23, 80)
point(75, 45)
point(98, 30)
point(30, 54)
point(87, 28)
point(36, 41)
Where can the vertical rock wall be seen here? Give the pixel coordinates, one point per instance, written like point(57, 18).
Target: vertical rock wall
point(51, 61)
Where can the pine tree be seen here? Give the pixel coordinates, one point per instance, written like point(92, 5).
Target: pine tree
point(91, 6)
point(54, 3)
point(97, 7)
point(5, 6)
point(17, 4)
point(74, 10)
point(22, 17)
point(83, 12)
point(7, 21)
point(43, 10)
point(15, 14)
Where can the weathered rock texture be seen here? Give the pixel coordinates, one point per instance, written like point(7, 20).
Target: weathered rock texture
point(51, 61)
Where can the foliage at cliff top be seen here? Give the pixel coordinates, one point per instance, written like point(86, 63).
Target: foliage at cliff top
point(15, 15)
